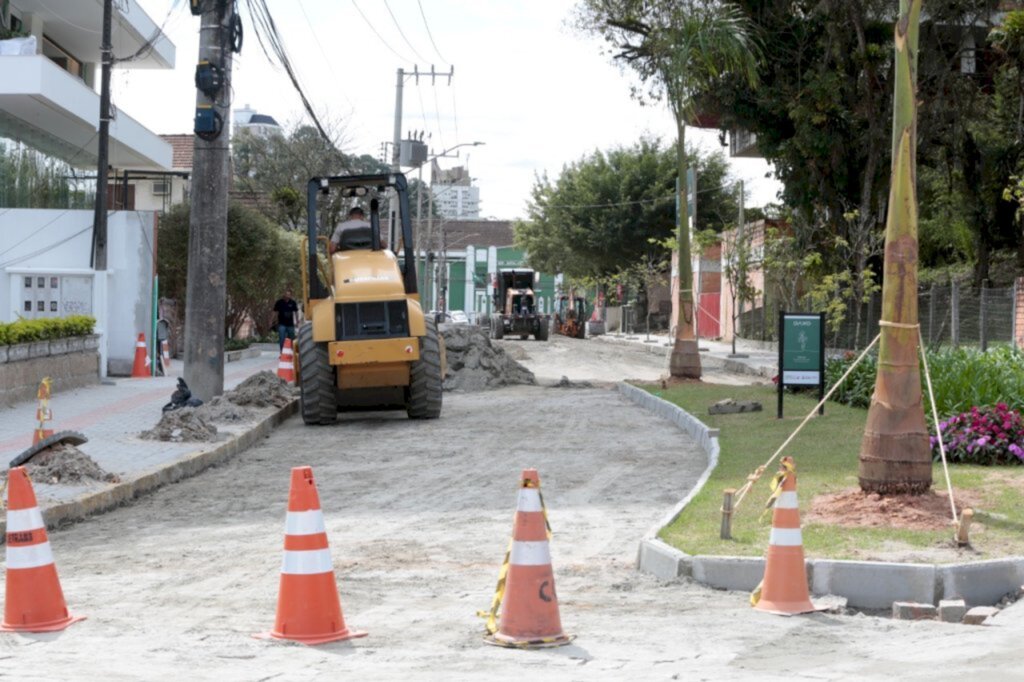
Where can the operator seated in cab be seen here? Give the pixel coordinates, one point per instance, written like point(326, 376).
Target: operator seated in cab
point(352, 234)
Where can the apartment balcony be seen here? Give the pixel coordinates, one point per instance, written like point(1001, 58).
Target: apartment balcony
point(76, 25)
point(48, 108)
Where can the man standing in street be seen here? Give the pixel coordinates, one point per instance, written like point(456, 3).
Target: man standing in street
point(287, 311)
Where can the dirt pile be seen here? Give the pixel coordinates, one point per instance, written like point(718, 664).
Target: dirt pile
point(474, 364)
point(854, 508)
point(222, 410)
point(263, 389)
point(64, 463)
point(187, 424)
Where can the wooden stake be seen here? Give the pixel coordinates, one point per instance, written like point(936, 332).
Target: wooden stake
point(966, 516)
point(726, 533)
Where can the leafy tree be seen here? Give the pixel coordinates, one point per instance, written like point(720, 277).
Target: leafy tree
point(600, 215)
point(677, 48)
point(277, 167)
point(29, 179)
point(262, 262)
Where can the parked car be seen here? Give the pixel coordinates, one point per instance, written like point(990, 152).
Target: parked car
point(450, 316)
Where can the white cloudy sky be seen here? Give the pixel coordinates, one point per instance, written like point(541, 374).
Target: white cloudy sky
point(538, 94)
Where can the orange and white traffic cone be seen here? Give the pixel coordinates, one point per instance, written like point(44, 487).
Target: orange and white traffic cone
point(140, 369)
point(526, 586)
point(308, 608)
point(286, 362)
point(784, 588)
point(43, 411)
point(165, 352)
point(34, 601)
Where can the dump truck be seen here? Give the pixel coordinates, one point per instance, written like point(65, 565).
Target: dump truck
point(367, 343)
point(516, 306)
point(570, 317)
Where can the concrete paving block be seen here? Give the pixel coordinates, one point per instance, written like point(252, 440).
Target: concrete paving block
point(874, 585)
point(909, 610)
point(981, 583)
point(728, 572)
point(979, 614)
point(952, 610)
point(660, 560)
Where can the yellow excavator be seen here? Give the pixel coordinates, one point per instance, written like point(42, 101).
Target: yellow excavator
point(366, 343)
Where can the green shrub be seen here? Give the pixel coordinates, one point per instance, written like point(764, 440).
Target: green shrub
point(962, 378)
point(237, 344)
point(27, 331)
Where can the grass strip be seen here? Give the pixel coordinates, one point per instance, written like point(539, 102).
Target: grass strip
point(826, 454)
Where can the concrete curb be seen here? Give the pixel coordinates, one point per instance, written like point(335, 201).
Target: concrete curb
point(654, 348)
point(864, 584)
point(188, 465)
point(242, 354)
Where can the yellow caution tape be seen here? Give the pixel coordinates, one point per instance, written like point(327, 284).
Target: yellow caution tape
point(755, 596)
point(776, 483)
point(499, 590)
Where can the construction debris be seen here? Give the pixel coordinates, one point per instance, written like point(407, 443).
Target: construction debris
point(222, 410)
point(474, 364)
point(186, 424)
point(564, 382)
point(65, 463)
point(263, 389)
point(730, 406)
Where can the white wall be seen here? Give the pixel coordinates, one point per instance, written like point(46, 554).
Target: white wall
point(56, 245)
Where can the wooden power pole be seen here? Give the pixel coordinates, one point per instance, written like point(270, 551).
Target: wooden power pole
point(206, 289)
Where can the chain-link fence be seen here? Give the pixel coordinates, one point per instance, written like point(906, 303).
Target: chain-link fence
point(950, 315)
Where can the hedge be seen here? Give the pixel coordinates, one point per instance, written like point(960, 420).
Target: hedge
point(26, 331)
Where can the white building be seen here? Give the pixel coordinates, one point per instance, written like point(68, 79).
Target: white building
point(454, 194)
point(249, 119)
point(48, 101)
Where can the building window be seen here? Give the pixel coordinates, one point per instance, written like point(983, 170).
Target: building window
point(62, 58)
point(28, 282)
point(28, 306)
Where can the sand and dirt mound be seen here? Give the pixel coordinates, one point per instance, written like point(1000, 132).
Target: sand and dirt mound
point(222, 410)
point(263, 389)
point(187, 424)
point(854, 508)
point(475, 364)
point(64, 463)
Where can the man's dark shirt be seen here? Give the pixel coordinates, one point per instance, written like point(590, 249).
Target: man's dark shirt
point(286, 309)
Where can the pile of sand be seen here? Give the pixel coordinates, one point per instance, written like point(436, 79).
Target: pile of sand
point(474, 364)
point(263, 389)
point(222, 410)
point(187, 424)
point(64, 463)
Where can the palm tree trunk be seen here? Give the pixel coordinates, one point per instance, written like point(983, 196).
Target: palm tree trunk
point(895, 456)
point(684, 362)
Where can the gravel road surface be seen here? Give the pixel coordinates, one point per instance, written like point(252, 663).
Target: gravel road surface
point(418, 515)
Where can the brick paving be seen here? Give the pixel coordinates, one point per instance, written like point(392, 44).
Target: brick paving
point(112, 416)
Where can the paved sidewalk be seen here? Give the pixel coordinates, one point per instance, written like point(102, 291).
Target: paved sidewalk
point(112, 416)
point(758, 361)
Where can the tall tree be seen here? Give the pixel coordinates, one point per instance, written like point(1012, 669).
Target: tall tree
point(895, 456)
point(611, 209)
point(677, 48)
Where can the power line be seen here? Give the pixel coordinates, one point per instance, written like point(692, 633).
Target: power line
point(402, 33)
point(379, 36)
point(429, 34)
point(46, 248)
point(147, 47)
point(455, 116)
point(437, 115)
point(327, 59)
point(267, 34)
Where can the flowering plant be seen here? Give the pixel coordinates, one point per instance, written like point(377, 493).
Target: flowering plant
point(985, 435)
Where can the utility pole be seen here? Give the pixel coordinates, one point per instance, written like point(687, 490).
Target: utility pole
point(206, 293)
point(99, 237)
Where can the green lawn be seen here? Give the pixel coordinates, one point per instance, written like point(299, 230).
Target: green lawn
point(826, 458)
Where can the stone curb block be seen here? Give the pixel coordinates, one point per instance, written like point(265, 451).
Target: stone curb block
point(873, 584)
point(983, 582)
point(184, 467)
point(242, 354)
point(729, 572)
